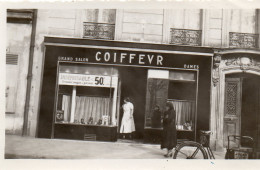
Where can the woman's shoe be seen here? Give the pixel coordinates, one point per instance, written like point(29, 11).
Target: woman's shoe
point(168, 155)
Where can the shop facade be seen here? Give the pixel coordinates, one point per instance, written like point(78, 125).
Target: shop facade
point(85, 81)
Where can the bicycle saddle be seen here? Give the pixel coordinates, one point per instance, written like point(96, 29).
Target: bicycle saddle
point(205, 132)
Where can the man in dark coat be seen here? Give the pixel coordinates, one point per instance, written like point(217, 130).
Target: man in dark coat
point(169, 137)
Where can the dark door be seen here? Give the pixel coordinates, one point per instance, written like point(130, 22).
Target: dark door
point(134, 86)
point(258, 118)
point(232, 108)
point(249, 108)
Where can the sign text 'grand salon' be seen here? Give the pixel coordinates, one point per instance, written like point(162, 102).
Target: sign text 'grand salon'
point(124, 58)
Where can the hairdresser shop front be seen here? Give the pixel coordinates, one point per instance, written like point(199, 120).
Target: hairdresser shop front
point(85, 81)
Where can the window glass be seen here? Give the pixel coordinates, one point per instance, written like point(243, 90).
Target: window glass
point(242, 20)
point(100, 15)
point(185, 19)
point(177, 87)
point(156, 98)
point(87, 95)
point(183, 97)
point(181, 75)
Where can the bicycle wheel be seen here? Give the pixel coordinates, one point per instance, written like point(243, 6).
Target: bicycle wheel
point(190, 150)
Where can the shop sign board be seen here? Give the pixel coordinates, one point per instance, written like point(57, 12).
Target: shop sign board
point(131, 59)
point(87, 80)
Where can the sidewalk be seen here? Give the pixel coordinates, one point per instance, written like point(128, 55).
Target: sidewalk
point(17, 147)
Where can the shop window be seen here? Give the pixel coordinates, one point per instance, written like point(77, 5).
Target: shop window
point(11, 83)
point(87, 95)
point(177, 87)
point(99, 24)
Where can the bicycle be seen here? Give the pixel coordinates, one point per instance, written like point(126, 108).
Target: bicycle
point(239, 151)
point(195, 150)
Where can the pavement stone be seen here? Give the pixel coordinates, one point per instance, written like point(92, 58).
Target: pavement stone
point(18, 147)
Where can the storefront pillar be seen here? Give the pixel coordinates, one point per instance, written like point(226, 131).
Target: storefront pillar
point(216, 119)
point(114, 122)
point(73, 104)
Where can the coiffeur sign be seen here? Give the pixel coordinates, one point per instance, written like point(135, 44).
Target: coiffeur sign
point(124, 58)
point(130, 58)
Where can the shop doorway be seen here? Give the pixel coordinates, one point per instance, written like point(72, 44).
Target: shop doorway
point(133, 85)
point(242, 106)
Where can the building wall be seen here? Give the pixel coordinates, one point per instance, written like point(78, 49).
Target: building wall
point(61, 22)
point(18, 43)
point(148, 26)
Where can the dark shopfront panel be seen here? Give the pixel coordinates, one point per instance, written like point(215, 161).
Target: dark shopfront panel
point(96, 55)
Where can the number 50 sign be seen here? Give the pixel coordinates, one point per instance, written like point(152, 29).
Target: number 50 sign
point(87, 80)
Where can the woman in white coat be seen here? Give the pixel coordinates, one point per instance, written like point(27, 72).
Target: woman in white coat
point(127, 124)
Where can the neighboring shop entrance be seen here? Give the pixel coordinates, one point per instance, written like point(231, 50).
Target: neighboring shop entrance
point(242, 105)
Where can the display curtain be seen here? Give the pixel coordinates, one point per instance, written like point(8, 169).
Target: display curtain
point(184, 111)
point(66, 107)
point(95, 107)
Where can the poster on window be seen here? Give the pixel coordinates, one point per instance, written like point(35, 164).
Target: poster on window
point(87, 80)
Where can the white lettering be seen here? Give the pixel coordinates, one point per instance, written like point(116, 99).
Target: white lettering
point(150, 58)
point(122, 57)
point(98, 58)
point(159, 60)
point(114, 57)
point(141, 57)
point(191, 66)
point(131, 57)
point(107, 56)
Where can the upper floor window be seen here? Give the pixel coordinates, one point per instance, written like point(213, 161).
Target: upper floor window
point(99, 24)
point(242, 31)
point(185, 27)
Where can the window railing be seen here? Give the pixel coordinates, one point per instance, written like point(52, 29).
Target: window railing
point(186, 37)
point(98, 30)
point(243, 40)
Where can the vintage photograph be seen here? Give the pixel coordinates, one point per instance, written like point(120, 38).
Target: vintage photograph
point(132, 84)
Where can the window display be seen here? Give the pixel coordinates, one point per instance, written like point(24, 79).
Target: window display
point(177, 87)
point(87, 95)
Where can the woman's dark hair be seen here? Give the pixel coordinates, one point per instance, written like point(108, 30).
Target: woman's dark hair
point(127, 99)
point(170, 105)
